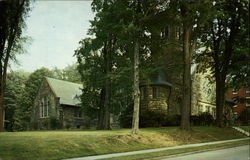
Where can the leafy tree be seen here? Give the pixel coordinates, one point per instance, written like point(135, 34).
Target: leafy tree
point(69, 73)
point(194, 15)
point(226, 41)
point(12, 14)
point(13, 93)
point(104, 60)
point(90, 67)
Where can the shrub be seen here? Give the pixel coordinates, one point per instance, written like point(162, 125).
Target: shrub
point(244, 117)
point(34, 125)
point(45, 123)
point(126, 117)
point(173, 120)
point(152, 119)
point(54, 123)
point(67, 126)
point(203, 119)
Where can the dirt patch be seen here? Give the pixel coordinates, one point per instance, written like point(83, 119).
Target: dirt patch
point(151, 139)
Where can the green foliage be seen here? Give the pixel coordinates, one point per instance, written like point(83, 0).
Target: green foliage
point(13, 94)
point(126, 117)
point(203, 119)
point(45, 123)
point(106, 59)
point(152, 119)
point(173, 120)
point(121, 22)
point(67, 126)
point(69, 73)
point(225, 40)
point(12, 21)
point(13, 15)
point(54, 123)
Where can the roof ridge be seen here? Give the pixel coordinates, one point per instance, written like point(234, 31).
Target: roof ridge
point(62, 80)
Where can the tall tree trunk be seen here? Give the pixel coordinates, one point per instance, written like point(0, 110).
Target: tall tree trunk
point(186, 101)
point(107, 92)
point(2, 112)
point(100, 124)
point(108, 65)
point(220, 99)
point(135, 122)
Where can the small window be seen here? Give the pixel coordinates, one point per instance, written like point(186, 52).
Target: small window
point(247, 101)
point(248, 90)
point(199, 108)
point(235, 91)
point(154, 92)
point(145, 94)
point(41, 109)
point(214, 112)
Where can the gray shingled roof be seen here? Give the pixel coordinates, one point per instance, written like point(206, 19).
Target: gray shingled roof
point(68, 92)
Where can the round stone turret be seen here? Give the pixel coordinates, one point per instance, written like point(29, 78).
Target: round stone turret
point(154, 98)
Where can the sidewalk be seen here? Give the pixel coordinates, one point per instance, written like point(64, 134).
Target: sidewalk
point(151, 150)
point(241, 131)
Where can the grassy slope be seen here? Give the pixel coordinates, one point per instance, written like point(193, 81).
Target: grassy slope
point(65, 144)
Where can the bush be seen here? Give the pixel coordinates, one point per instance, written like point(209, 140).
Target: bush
point(54, 122)
point(67, 126)
point(203, 119)
point(152, 119)
point(173, 120)
point(126, 117)
point(45, 123)
point(244, 117)
point(147, 118)
point(34, 125)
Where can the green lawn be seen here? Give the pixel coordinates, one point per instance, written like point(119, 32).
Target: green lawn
point(65, 144)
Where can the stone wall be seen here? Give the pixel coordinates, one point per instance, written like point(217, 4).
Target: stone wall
point(53, 109)
point(154, 105)
point(203, 94)
point(154, 98)
point(72, 117)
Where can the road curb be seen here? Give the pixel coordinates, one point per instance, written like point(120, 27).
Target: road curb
point(193, 152)
point(106, 156)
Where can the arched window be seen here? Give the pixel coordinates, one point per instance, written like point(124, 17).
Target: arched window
point(41, 109)
point(44, 107)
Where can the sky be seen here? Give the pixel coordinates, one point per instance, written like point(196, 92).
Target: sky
point(55, 28)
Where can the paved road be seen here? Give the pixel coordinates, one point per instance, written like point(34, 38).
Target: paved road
point(236, 153)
